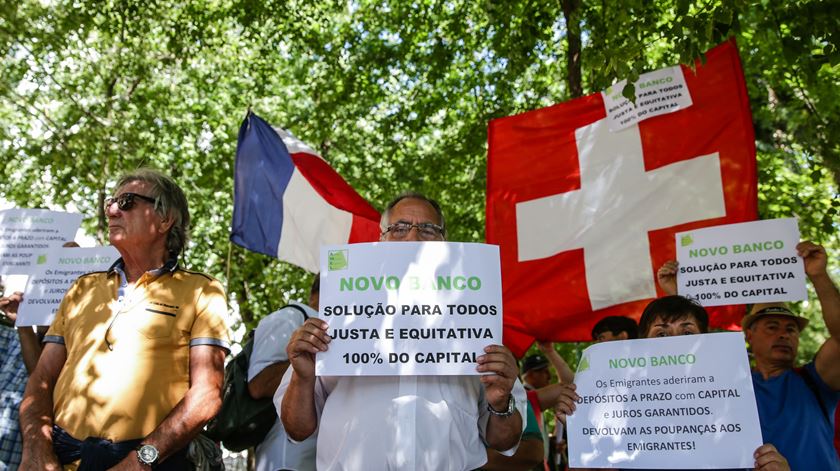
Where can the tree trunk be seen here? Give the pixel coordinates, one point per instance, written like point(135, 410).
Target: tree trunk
point(573, 42)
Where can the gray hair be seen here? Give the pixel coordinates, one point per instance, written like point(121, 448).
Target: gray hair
point(170, 202)
point(383, 222)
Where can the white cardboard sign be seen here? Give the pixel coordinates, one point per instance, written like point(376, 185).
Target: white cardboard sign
point(59, 269)
point(741, 263)
point(683, 402)
point(27, 234)
point(659, 92)
point(409, 308)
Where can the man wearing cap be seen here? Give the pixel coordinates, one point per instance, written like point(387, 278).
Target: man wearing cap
point(535, 373)
point(796, 405)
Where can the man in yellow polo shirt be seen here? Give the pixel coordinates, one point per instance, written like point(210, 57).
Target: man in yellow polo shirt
point(133, 364)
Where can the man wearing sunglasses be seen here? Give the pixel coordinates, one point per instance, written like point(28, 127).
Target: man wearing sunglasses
point(133, 363)
point(401, 422)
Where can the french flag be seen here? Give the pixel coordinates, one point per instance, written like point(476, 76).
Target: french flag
point(288, 201)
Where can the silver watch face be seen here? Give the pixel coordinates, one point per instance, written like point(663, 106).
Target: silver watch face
point(147, 454)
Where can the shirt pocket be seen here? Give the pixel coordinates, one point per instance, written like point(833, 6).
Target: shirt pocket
point(155, 323)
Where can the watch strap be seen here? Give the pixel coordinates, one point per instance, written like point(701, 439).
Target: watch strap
point(510, 409)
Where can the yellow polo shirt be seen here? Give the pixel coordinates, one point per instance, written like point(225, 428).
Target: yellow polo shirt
point(128, 360)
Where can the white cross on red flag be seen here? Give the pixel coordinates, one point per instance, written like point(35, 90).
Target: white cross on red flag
point(584, 215)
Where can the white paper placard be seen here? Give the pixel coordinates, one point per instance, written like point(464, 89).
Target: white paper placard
point(659, 92)
point(742, 263)
point(409, 308)
point(26, 234)
point(58, 269)
point(682, 402)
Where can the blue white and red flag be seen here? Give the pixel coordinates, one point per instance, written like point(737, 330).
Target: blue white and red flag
point(288, 201)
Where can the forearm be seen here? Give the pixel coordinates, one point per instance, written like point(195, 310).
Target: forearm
point(298, 413)
point(36, 409)
point(30, 348)
point(564, 372)
point(36, 422)
point(185, 421)
point(551, 395)
point(36, 415)
point(265, 383)
point(503, 433)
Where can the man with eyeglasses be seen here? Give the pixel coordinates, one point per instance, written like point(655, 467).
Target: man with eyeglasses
point(401, 422)
point(133, 364)
point(796, 406)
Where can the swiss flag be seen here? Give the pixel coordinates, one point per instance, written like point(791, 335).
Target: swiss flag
point(584, 216)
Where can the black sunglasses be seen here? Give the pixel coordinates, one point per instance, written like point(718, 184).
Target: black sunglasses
point(126, 201)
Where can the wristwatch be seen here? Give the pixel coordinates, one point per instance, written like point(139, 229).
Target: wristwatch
point(147, 454)
point(510, 409)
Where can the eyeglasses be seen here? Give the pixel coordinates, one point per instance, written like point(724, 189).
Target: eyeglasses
point(126, 201)
point(425, 230)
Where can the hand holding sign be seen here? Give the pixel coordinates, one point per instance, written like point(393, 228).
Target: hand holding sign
point(9, 306)
point(309, 339)
point(768, 458)
point(666, 277)
point(814, 257)
point(497, 359)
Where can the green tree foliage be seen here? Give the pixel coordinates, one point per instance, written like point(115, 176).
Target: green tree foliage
point(394, 94)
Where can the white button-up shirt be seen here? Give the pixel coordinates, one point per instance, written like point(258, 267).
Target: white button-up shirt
point(401, 422)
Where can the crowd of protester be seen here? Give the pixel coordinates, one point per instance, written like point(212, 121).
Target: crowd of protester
point(132, 368)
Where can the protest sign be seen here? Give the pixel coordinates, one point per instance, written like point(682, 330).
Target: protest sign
point(683, 402)
point(659, 92)
point(27, 234)
point(741, 263)
point(409, 308)
point(56, 271)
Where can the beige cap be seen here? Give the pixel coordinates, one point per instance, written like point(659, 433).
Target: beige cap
point(771, 309)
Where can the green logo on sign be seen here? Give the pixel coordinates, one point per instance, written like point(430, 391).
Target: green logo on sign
point(686, 240)
point(583, 365)
point(42, 259)
point(337, 259)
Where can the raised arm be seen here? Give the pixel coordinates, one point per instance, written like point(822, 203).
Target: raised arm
point(827, 360)
point(564, 372)
point(666, 276)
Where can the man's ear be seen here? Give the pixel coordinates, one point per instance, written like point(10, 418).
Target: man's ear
point(748, 334)
point(166, 223)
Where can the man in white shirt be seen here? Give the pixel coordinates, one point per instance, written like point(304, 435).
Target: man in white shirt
point(402, 422)
point(267, 365)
